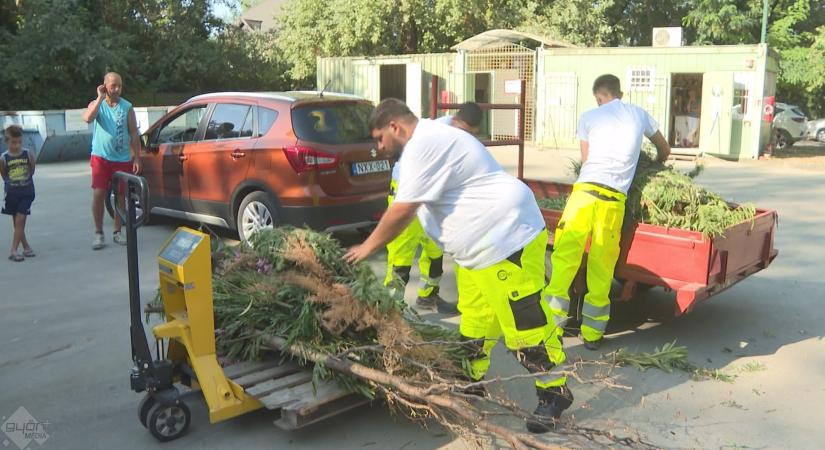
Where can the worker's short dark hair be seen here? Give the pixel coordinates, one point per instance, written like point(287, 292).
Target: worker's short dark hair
point(13, 131)
point(388, 110)
point(609, 83)
point(470, 113)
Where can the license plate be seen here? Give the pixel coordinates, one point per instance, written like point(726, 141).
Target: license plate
point(367, 167)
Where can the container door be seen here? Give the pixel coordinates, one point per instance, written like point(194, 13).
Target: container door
point(366, 79)
point(556, 109)
point(414, 83)
point(505, 122)
point(743, 115)
point(717, 98)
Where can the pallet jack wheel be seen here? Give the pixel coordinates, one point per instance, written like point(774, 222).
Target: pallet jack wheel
point(143, 408)
point(168, 422)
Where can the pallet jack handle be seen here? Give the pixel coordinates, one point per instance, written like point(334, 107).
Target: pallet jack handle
point(135, 192)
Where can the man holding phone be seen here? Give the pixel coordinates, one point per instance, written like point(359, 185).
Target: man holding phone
point(115, 148)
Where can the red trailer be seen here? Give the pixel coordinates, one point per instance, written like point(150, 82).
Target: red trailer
point(686, 262)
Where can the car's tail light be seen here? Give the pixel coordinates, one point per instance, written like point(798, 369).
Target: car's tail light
point(798, 119)
point(307, 159)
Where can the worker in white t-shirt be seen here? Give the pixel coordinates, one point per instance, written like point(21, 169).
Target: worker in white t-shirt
point(490, 223)
point(401, 250)
point(468, 118)
point(611, 139)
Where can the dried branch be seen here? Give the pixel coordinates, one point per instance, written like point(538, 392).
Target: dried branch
point(446, 401)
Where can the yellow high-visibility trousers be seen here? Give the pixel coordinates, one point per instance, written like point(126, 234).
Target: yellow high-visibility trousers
point(508, 298)
point(401, 253)
point(596, 213)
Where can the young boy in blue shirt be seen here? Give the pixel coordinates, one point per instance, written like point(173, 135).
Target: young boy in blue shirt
point(17, 169)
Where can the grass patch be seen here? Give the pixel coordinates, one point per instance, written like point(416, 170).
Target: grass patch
point(753, 367)
point(669, 357)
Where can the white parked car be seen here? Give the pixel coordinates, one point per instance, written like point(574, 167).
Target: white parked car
point(816, 130)
point(789, 124)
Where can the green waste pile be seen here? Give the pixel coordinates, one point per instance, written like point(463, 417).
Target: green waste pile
point(661, 195)
point(294, 283)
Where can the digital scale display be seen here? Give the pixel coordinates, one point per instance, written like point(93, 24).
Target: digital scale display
point(180, 247)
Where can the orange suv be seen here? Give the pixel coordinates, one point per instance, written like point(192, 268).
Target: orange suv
point(253, 160)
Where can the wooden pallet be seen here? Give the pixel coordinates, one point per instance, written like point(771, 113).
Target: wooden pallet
point(287, 387)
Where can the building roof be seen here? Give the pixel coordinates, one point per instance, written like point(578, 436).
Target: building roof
point(493, 39)
point(261, 17)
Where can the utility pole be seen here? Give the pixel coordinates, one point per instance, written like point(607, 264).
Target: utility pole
point(765, 11)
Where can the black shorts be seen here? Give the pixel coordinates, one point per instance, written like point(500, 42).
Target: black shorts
point(18, 203)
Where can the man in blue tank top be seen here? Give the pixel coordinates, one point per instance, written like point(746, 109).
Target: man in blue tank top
point(115, 148)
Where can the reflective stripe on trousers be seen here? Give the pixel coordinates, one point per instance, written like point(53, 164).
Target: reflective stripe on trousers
point(401, 253)
point(507, 299)
point(592, 213)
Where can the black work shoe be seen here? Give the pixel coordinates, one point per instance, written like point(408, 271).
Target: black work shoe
point(552, 402)
point(593, 345)
point(434, 301)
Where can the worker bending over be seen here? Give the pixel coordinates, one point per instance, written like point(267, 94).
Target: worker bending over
point(401, 250)
point(611, 139)
point(490, 223)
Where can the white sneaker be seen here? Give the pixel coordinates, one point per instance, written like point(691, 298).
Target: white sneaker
point(99, 242)
point(118, 238)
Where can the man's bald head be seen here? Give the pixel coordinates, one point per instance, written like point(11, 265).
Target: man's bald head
point(114, 86)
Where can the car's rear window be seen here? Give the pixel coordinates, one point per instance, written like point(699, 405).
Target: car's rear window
point(341, 123)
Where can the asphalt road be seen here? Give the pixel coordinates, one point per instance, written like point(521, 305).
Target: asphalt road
point(64, 345)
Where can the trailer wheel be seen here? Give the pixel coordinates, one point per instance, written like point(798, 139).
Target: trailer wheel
point(143, 408)
point(639, 288)
point(168, 422)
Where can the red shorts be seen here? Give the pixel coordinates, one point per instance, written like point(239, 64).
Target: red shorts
point(103, 170)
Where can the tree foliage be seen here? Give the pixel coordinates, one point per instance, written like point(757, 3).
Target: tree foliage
point(315, 28)
point(56, 51)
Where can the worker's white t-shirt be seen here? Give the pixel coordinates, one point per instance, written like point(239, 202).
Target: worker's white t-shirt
point(470, 207)
point(614, 131)
point(447, 120)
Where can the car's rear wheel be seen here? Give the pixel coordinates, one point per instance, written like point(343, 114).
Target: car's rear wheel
point(820, 135)
point(783, 140)
point(257, 212)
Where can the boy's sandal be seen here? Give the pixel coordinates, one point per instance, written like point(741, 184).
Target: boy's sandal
point(15, 257)
point(29, 253)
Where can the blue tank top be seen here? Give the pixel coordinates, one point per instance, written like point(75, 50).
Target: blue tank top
point(110, 135)
point(17, 175)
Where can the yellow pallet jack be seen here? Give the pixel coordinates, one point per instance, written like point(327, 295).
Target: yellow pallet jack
point(185, 343)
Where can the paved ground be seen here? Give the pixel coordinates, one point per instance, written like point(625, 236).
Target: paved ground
point(64, 347)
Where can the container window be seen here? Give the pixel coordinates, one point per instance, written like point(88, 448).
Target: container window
point(741, 95)
point(640, 78)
